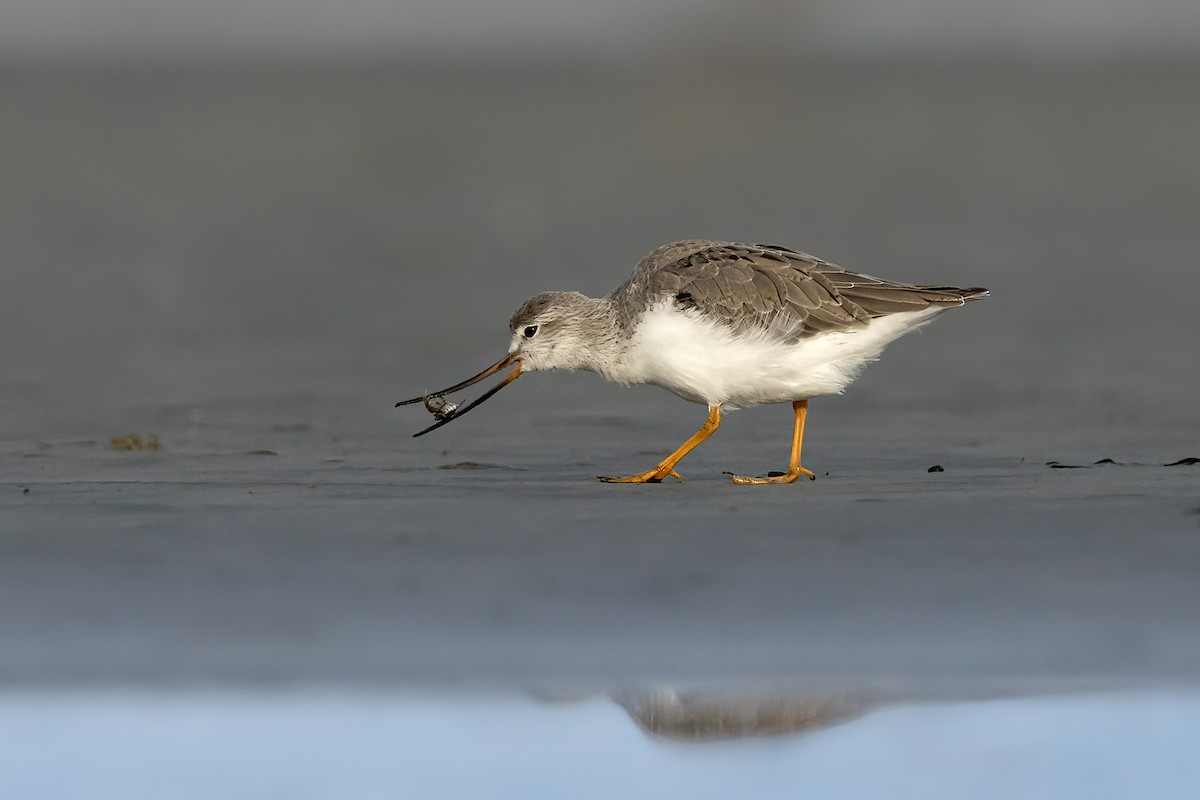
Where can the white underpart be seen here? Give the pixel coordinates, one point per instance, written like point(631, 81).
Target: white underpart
point(703, 361)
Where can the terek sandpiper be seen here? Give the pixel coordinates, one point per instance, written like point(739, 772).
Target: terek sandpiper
point(725, 324)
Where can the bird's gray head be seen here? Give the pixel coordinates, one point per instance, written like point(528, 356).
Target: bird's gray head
point(557, 330)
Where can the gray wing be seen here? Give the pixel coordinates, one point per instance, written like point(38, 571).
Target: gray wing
point(765, 286)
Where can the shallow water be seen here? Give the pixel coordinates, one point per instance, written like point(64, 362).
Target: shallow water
point(252, 265)
point(323, 744)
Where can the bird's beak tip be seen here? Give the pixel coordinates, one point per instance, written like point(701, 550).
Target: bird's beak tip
point(507, 361)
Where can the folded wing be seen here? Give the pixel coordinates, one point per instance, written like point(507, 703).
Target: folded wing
point(792, 294)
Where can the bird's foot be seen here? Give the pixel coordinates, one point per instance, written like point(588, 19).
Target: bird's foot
point(774, 477)
point(655, 475)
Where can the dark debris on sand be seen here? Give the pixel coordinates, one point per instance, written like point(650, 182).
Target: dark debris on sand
point(478, 465)
point(1059, 465)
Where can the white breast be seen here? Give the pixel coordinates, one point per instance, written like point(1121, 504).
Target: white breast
point(703, 361)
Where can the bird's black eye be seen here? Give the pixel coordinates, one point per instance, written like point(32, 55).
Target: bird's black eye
point(530, 330)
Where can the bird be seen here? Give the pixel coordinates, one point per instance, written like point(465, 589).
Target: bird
point(724, 324)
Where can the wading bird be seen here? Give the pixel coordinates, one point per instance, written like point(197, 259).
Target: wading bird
point(724, 324)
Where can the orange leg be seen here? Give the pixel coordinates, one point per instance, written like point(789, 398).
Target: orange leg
point(667, 465)
point(794, 469)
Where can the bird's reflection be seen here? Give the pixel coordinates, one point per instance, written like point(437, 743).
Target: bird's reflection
point(699, 715)
point(739, 710)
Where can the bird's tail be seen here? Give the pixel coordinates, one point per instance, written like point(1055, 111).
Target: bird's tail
point(952, 295)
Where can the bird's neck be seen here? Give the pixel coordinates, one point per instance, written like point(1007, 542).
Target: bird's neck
point(601, 328)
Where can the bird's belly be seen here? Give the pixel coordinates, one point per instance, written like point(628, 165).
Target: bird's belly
point(705, 362)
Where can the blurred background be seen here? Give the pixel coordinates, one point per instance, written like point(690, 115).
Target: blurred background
point(241, 197)
point(466, 30)
point(243, 230)
point(201, 200)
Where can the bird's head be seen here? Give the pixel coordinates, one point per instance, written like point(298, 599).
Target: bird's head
point(550, 331)
point(554, 330)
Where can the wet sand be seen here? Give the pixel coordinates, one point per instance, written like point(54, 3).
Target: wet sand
point(254, 265)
